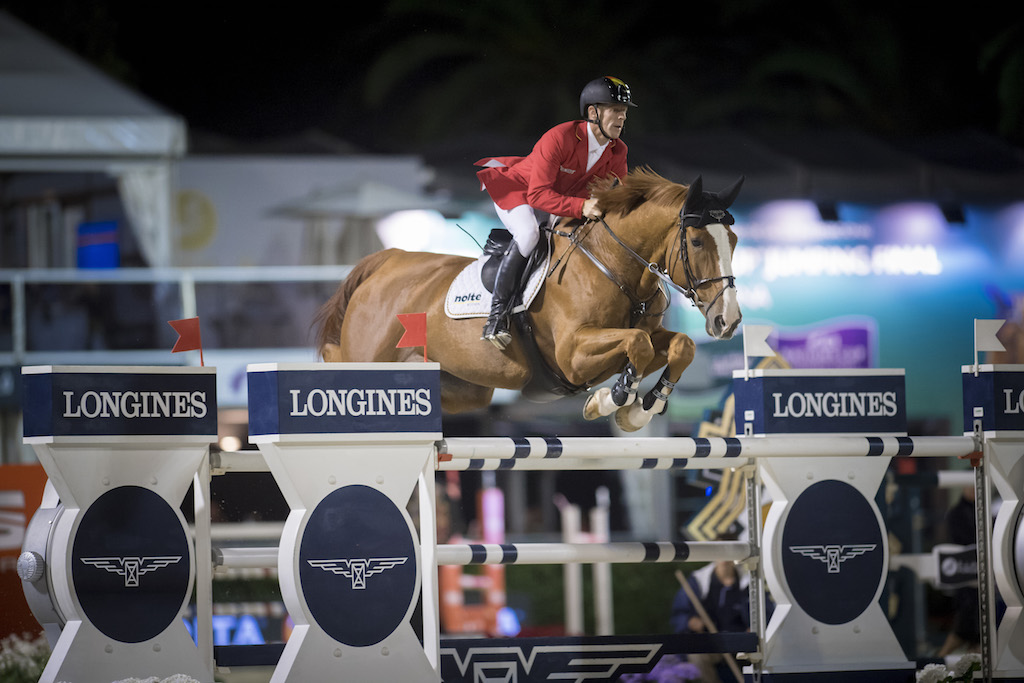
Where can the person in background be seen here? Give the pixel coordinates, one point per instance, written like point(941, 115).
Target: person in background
point(965, 632)
point(723, 591)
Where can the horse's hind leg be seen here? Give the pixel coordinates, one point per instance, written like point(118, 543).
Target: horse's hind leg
point(331, 353)
point(458, 396)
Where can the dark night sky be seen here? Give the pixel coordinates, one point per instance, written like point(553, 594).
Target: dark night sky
point(224, 67)
point(254, 73)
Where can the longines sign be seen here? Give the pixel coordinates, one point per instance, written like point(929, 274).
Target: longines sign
point(995, 397)
point(821, 402)
point(344, 398)
point(119, 401)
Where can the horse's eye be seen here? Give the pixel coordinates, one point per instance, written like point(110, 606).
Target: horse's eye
point(696, 243)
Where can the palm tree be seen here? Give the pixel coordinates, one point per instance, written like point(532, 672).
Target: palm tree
point(1003, 57)
point(455, 66)
point(518, 66)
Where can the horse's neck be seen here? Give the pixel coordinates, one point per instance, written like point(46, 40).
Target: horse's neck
point(616, 257)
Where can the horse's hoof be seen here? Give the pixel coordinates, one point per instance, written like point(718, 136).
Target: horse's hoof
point(632, 417)
point(592, 408)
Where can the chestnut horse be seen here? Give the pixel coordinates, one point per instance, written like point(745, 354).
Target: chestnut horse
point(599, 312)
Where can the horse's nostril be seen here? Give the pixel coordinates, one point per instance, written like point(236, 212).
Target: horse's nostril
point(719, 322)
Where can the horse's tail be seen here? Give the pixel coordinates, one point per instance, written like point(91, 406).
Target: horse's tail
point(331, 315)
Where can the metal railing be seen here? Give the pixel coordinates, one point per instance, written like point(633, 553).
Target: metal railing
point(182, 284)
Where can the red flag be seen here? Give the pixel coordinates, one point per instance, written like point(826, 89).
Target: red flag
point(415, 331)
point(188, 336)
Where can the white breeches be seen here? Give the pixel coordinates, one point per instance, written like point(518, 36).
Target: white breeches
point(521, 221)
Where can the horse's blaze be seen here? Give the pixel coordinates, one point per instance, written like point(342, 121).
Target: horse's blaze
point(724, 316)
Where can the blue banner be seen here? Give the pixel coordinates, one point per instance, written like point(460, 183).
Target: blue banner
point(836, 402)
point(995, 396)
point(344, 399)
point(63, 401)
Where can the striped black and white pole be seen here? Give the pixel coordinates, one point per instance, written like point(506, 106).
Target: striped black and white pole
point(573, 463)
point(460, 453)
point(531, 553)
point(590, 553)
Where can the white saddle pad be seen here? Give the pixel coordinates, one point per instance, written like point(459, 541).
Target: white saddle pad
point(467, 297)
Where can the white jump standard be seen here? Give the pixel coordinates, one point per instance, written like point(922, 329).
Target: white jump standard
point(108, 565)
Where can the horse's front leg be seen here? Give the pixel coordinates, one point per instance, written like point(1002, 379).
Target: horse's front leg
point(679, 350)
point(606, 401)
point(594, 352)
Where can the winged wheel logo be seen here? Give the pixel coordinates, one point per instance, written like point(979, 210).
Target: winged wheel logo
point(358, 569)
point(832, 555)
point(131, 568)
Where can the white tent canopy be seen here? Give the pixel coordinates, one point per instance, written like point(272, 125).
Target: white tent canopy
point(59, 114)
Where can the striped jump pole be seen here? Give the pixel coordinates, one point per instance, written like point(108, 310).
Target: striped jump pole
point(590, 553)
point(466, 554)
point(691, 453)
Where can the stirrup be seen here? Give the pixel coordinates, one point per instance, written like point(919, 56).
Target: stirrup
point(497, 333)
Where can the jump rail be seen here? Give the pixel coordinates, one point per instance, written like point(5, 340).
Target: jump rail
point(700, 449)
point(532, 553)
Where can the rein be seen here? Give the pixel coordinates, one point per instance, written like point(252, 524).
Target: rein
point(665, 282)
point(640, 307)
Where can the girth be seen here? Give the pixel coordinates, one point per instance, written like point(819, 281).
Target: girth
point(546, 383)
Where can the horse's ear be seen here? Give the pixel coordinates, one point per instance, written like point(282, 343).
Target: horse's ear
point(728, 195)
point(696, 187)
point(694, 194)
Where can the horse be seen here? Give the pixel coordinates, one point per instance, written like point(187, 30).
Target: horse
point(598, 314)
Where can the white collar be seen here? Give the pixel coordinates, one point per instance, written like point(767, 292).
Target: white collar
point(594, 150)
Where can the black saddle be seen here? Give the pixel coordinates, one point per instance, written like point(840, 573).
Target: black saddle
point(497, 244)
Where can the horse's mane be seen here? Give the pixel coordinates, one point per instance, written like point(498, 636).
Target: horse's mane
point(639, 186)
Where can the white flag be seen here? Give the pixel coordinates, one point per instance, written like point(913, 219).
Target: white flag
point(755, 341)
point(985, 335)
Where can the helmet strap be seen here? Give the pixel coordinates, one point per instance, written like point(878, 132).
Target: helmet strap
point(597, 120)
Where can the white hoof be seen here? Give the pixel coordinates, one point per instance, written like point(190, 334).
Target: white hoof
point(633, 417)
point(599, 404)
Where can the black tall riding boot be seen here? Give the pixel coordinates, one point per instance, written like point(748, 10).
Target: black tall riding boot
point(506, 286)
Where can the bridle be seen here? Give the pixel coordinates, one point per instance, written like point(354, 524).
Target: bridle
point(665, 281)
point(692, 283)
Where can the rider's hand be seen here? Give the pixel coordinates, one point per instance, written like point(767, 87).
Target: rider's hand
point(591, 210)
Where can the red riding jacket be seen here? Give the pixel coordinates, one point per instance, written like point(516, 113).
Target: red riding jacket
point(554, 177)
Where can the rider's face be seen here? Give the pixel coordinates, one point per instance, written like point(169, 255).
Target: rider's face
point(612, 118)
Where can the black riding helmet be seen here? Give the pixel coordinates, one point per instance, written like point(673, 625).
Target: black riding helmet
point(604, 90)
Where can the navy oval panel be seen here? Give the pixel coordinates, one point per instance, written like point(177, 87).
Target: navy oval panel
point(832, 552)
point(357, 565)
point(130, 564)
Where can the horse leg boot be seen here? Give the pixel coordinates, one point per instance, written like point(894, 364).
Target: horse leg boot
point(506, 285)
point(606, 401)
point(640, 413)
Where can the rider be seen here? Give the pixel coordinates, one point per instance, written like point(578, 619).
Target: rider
point(553, 178)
